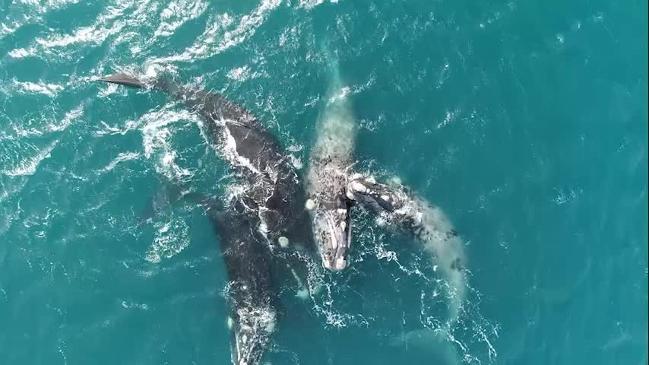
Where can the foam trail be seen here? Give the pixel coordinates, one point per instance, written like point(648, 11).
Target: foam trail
point(336, 127)
point(29, 165)
point(428, 340)
point(327, 176)
point(446, 250)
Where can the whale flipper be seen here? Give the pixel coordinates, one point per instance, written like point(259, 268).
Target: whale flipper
point(124, 79)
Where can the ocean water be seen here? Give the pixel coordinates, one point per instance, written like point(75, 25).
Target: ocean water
point(524, 121)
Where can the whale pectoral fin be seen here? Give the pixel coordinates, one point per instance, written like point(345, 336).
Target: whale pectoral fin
point(123, 79)
point(372, 195)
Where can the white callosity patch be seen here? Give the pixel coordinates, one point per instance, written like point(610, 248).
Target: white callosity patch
point(283, 241)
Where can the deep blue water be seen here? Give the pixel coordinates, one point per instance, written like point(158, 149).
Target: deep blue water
point(525, 121)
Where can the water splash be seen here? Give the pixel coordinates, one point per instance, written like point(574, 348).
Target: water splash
point(29, 165)
point(171, 237)
point(157, 132)
point(217, 37)
point(178, 13)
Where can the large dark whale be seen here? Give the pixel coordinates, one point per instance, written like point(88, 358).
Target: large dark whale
point(258, 222)
point(273, 190)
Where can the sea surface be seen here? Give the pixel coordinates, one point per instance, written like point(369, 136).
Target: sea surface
point(524, 121)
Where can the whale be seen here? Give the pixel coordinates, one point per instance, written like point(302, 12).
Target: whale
point(334, 189)
point(257, 223)
point(250, 293)
point(272, 185)
point(396, 207)
point(329, 160)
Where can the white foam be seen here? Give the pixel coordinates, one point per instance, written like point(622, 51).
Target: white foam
point(41, 88)
point(156, 134)
point(68, 119)
point(29, 165)
point(122, 157)
point(444, 250)
point(111, 22)
point(21, 52)
point(33, 13)
point(247, 25)
point(242, 73)
point(217, 38)
point(296, 162)
point(178, 13)
point(435, 341)
point(8, 29)
point(171, 237)
point(310, 4)
point(302, 294)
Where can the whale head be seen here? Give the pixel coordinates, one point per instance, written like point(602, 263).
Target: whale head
point(332, 230)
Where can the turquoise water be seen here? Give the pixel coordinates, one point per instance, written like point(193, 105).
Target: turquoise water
point(526, 122)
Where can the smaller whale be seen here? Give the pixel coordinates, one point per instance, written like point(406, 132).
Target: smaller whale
point(397, 207)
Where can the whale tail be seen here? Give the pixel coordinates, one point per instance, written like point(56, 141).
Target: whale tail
point(124, 79)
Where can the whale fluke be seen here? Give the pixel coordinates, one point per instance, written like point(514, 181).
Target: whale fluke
point(123, 79)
